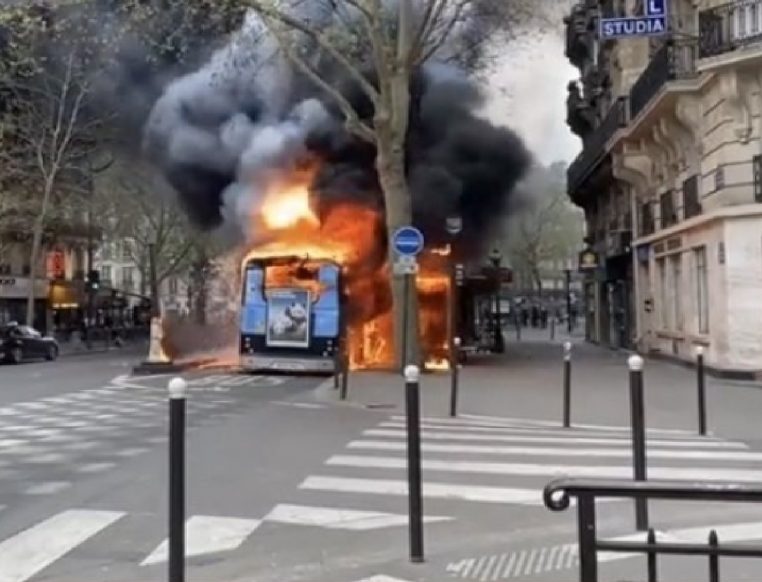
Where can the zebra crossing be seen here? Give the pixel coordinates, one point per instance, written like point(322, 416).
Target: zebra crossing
point(471, 460)
point(509, 461)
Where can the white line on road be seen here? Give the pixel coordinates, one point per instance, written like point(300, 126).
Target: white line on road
point(557, 451)
point(47, 488)
point(432, 490)
point(331, 518)
point(28, 552)
point(556, 432)
point(298, 404)
point(381, 578)
point(625, 472)
point(448, 434)
point(207, 535)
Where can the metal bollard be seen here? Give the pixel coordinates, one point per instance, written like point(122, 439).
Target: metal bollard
point(638, 422)
point(518, 327)
point(412, 410)
point(344, 377)
point(552, 329)
point(336, 369)
point(701, 386)
point(454, 376)
point(177, 397)
point(567, 384)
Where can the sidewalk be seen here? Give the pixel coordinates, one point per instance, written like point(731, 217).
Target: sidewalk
point(77, 347)
point(526, 382)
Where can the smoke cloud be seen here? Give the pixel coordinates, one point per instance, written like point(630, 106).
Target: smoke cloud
point(220, 133)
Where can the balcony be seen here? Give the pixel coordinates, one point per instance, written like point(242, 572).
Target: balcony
point(725, 28)
point(595, 145)
point(577, 33)
point(674, 61)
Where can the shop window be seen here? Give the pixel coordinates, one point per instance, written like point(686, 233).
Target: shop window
point(702, 289)
point(676, 290)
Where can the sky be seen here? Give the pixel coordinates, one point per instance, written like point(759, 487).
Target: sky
point(527, 92)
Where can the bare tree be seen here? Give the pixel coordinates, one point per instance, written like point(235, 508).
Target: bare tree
point(142, 213)
point(546, 230)
point(48, 128)
point(380, 45)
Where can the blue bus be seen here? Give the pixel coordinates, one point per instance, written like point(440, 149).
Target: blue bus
point(291, 314)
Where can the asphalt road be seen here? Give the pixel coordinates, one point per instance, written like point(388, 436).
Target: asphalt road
point(284, 483)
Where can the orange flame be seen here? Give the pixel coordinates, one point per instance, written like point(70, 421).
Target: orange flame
point(350, 234)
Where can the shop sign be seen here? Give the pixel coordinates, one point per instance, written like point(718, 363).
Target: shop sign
point(18, 288)
point(588, 260)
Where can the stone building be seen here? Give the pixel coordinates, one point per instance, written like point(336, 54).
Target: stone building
point(670, 179)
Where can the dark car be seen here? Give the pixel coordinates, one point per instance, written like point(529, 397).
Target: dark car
point(21, 342)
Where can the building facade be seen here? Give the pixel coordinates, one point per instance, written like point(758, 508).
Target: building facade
point(670, 179)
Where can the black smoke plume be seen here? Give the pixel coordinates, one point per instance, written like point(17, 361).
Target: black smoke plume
point(220, 132)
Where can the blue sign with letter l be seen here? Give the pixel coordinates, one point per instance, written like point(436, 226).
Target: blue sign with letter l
point(656, 7)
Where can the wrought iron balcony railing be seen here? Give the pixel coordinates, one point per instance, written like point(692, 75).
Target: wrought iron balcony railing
point(729, 26)
point(595, 143)
point(675, 60)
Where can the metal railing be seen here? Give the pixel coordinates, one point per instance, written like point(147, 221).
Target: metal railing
point(729, 26)
point(595, 144)
point(675, 60)
point(558, 494)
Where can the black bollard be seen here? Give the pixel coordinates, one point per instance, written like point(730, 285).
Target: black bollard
point(177, 396)
point(344, 376)
point(701, 385)
point(518, 327)
point(552, 328)
point(336, 369)
point(454, 376)
point(567, 384)
point(638, 425)
point(412, 410)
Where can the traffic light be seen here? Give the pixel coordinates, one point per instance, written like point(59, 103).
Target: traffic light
point(93, 280)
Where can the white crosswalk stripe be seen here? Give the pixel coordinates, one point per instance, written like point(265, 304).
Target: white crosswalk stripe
point(494, 460)
point(28, 552)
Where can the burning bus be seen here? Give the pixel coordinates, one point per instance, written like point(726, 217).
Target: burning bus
point(291, 314)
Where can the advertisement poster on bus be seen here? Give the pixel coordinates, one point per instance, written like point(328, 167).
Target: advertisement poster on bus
point(288, 318)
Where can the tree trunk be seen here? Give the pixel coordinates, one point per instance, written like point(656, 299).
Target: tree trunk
point(39, 228)
point(391, 170)
point(154, 282)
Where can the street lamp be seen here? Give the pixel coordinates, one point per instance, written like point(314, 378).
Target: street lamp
point(496, 258)
point(453, 226)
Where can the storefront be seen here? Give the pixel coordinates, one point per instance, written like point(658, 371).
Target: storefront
point(14, 292)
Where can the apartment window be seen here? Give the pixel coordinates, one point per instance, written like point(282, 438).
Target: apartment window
point(663, 293)
point(756, 164)
point(128, 278)
point(106, 253)
point(646, 219)
point(667, 207)
point(691, 204)
point(719, 178)
point(702, 289)
point(676, 290)
point(106, 272)
point(126, 250)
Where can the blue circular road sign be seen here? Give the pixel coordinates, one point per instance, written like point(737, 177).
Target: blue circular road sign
point(408, 241)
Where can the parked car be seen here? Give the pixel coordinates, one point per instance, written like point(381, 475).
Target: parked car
point(21, 342)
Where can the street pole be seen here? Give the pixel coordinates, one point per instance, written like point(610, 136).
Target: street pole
point(567, 384)
point(637, 421)
point(701, 386)
point(454, 373)
point(495, 258)
point(405, 317)
point(415, 496)
point(177, 396)
point(568, 300)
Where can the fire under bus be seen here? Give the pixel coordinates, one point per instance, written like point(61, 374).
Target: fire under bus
point(292, 316)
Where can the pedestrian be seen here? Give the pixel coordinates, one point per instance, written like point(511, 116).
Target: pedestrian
point(535, 316)
point(544, 317)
